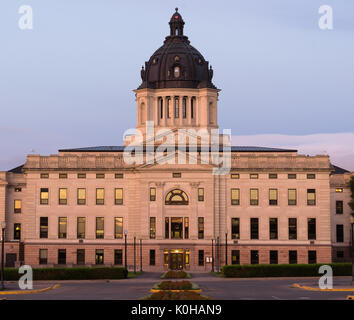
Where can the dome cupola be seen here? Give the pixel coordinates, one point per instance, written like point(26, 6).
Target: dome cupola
point(176, 64)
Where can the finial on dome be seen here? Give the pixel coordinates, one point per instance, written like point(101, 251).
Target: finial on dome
point(176, 9)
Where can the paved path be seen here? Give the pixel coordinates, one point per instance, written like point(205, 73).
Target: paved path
point(215, 287)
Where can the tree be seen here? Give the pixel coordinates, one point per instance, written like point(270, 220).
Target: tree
point(351, 186)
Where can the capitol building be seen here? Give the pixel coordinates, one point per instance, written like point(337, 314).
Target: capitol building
point(91, 206)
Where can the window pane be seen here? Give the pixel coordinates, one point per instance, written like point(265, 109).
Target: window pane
point(62, 228)
point(62, 196)
point(254, 197)
point(152, 227)
point(200, 228)
point(81, 196)
point(292, 229)
point(44, 196)
point(99, 228)
point(235, 228)
point(273, 228)
point(43, 233)
point(235, 196)
point(292, 197)
point(119, 196)
point(186, 228)
point(81, 226)
point(152, 194)
point(17, 206)
point(311, 197)
point(201, 194)
point(339, 207)
point(99, 196)
point(273, 197)
point(254, 228)
point(311, 227)
point(118, 228)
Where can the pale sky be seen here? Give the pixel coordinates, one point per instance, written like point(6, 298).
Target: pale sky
point(68, 82)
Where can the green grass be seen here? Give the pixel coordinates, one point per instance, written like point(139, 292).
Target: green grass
point(134, 275)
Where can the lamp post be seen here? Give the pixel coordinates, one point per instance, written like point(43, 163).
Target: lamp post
point(212, 255)
point(134, 254)
point(141, 255)
point(3, 227)
point(218, 254)
point(226, 248)
point(125, 249)
point(352, 250)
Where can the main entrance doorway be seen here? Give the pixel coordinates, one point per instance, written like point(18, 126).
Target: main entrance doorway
point(177, 259)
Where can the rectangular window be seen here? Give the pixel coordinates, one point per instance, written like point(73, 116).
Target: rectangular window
point(311, 176)
point(118, 196)
point(167, 228)
point(339, 190)
point(339, 207)
point(273, 228)
point(339, 233)
point(18, 189)
point(81, 227)
point(235, 256)
point(81, 196)
point(254, 257)
point(254, 197)
point(292, 176)
point(292, 197)
point(80, 256)
point(200, 258)
point(176, 228)
point(184, 107)
point(254, 228)
point(152, 228)
point(235, 197)
point(176, 175)
point(186, 228)
point(311, 197)
point(99, 256)
point(44, 199)
point(254, 176)
point(273, 176)
point(292, 257)
point(43, 256)
point(118, 257)
point(273, 197)
point(176, 108)
point(273, 257)
point(200, 194)
point(312, 257)
point(118, 176)
point(63, 196)
point(17, 206)
point(340, 254)
point(99, 196)
point(43, 227)
point(61, 256)
point(100, 228)
point(152, 194)
point(100, 175)
point(81, 175)
point(17, 231)
point(152, 257)
point(200, 228)
point(118, 228)
point(311, 228)
point(63, 175)
point(62, 227)
point(44, 175)
point(235, 228)
point(235, 176)
point(292, 229)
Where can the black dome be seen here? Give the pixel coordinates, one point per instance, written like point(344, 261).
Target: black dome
point(176, 64)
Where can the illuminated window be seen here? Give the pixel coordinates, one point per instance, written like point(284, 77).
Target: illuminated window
point(63, 196)
point(118, 228)
point(200, 228)
point(99, 196)
point(62, 227)
point(152, 227)
point(99, 256)
point(152, 194)
point(43, 227)
point(81, 227)
point(176, 228)
point(273, 197)
point(17, 206)
point(292, 197)
point(235, 196)
point(339, 190)
point(81, 196)
point(200, 194)
point(254, 197)
point(235, 256)
point(235, 228)
point(254, 176)
point(100, 228)
point(18, 189)
point(44, 196)
point(176, 197)
point(17, 231)
point(118, 196)
point(235, 176)
point(311, 197)
point(177, 72)
point(186, 228)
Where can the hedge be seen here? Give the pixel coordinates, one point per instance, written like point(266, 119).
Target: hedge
point(79, 273)
point(283, 270)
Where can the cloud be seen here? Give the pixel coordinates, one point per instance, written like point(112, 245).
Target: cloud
point(339, 146)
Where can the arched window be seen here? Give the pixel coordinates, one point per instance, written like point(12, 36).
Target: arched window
point(176, 197)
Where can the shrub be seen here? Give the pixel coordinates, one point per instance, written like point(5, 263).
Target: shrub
point(175, 275)
point(83, 273)
point(283, 270)
point(169, 295)
point(175, 285)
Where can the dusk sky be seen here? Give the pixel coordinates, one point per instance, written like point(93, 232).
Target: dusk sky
point(68, 82)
